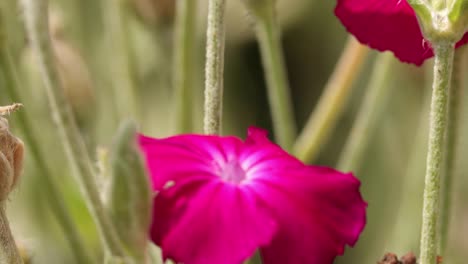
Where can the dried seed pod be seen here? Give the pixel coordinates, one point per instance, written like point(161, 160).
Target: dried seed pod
point(11, 159)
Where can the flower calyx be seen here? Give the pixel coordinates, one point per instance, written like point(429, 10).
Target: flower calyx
point(440, 22)
point(128, 198)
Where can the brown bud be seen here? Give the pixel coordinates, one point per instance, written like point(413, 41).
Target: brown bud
point(389, 258)
point(155, 11)
point(392, 258)
point(75, 78)
point(73, 72)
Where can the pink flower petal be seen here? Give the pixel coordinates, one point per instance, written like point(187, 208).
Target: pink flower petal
point(228, 198)
point(387, 25)
point(319, 211)
point(178, 157)
point(210, 224)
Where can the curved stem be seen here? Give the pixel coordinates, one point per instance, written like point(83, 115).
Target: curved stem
point(55, 199)
point(374, 101)
point(214, 68)
point(438, 119)
point(281, 107)
point(8, 250)
point(332, 101)
point(36, 16)
point(453, 128)
point(186, 11)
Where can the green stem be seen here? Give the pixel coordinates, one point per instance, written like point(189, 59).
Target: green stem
point(214, 67)
point(55, 199)
point(184, 62)
point(281, 107)
point(332, 101)
point(36, 17)
point(8, 250)
point(453, 128)
point(374, 101)
point(121, 60)
point(85, 16)
point(438, 119)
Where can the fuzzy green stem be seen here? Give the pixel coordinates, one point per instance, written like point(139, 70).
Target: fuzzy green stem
point(55, 199)
point(281, 107)
point(183, 72)
point(453, 128)
point(374, 101)
point(36, 17)
point(122, 61)
point(332, 101)
point(214, 67)
point(8, 250)
point(438, 120)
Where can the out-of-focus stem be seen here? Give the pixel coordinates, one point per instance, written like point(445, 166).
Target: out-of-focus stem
point(214, 67)
point(268, 35)
point(374, 101)
point(438, 119)
point(55, 199)
point(184, 63)
point(121, 60)
point(35, 17)
point(332, 101)
point(404, 233)
point(453, 128)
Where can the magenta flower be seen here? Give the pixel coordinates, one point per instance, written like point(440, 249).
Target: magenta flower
point(220, 198)
point(387, 25)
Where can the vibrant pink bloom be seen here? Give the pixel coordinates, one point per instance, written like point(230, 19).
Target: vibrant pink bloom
point(220, 198)
point(387, 25)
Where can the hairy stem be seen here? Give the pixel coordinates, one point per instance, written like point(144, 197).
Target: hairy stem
point(452, 136)
point(36, 16)
point(214, 67)
point(55, 198)
point(332, 101)
point(438, 120)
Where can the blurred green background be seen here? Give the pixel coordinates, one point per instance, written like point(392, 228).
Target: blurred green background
point(391, 173)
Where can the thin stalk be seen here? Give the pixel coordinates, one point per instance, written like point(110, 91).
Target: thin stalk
point(438, 120)
point(374, 101)
point(214, 67)
point(85, 15)
point(281, 107)
point(332, 102)
point(121, 62)
point(8, 250)
point(183, 72)
point(55, 198)
point(452, 136)
point(36, 17)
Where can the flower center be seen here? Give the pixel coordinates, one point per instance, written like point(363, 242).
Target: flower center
point(232, 172)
